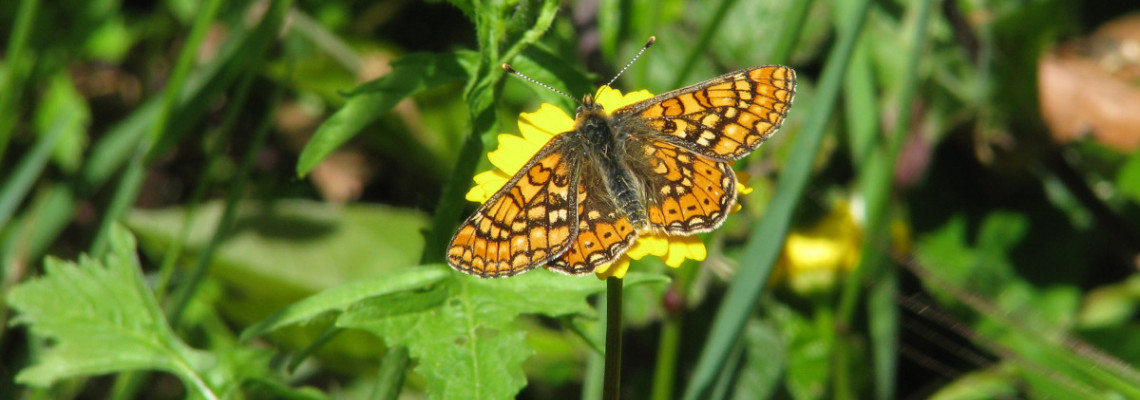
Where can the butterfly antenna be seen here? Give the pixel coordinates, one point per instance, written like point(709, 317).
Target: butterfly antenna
point(512, 71)
point(652, 39)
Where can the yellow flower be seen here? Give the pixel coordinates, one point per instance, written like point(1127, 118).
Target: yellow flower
point(814, 258)
point(539, 127)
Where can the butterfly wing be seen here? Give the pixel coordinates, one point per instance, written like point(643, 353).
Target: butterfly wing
point(604, 233)
point(723, 118)
point(528, 222)
point(686, 193)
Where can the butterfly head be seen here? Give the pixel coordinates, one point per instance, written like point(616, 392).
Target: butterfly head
point(589, 107)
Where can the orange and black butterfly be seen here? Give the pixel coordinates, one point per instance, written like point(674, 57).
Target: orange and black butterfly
point(661, 165)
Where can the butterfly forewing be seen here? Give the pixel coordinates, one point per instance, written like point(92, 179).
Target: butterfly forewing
point(724, 118)
point(604, 233)
point(528, 222)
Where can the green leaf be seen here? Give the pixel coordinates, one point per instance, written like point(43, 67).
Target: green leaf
point(64, 108)
point(410, 75)
point(342, 297)
point(808, 351)
point(283, 251)
point(466, 7)
point(111, 40)
point(460, 328)
point(1128, 178)
point(764, 362)
point(468, 347)
point(102, 319)
point(985, 384)
point(274, 247)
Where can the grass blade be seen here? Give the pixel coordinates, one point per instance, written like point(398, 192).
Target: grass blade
point(18, 184)
point(15, 70)
point(876, 179)
point(767, 238)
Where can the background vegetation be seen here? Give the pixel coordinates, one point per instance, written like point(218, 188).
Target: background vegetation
point(249, 199)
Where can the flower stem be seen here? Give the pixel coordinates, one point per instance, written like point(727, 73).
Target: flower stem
point(612, 385)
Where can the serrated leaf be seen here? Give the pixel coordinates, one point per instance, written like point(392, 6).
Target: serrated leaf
point(808, 352)
point(467, 347)
point(102, 319)
point(459, 327)
point(410, 75)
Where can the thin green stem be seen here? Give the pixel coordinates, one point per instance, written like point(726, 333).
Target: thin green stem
point(481, 95)
point(20, 182)
point(611, 389)
point(327, 335)
point(595, 374)
point(326, 40)
point(876, 177)
point(876, 182)
point(131, 183)
point(28, 235)
point(15, 70)
point(186, 289)
point(125, 194)
point(667, 349)
point(669, 346)
point(212, 143)
point(702, 42)
point(883, 330)
point(726, 380)
point(786, 44)
point(391, 376)
point(182, 67)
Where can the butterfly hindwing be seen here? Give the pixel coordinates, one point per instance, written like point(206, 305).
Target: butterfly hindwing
point(723, 118)
point(528, 222)
point(604, 233)
point(686, 193)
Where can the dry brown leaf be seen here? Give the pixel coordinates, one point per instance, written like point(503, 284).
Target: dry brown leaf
point(1089, 87)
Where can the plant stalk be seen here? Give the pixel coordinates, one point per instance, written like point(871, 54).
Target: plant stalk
point(611, 388)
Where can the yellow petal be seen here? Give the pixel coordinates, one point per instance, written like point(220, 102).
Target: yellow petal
point(486, 184)
point(674, 250)
point(512, 154)
point(615, 269)
point(648, 244)
point(545, 123)
point(612, 99)
point(742, 179)
point(685, 247)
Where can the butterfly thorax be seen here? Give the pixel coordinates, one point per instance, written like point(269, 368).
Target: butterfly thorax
point(605, 150)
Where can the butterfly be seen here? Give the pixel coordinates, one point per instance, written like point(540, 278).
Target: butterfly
point(660, 166)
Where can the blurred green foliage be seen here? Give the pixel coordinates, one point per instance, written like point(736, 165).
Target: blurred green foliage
point(292, 170)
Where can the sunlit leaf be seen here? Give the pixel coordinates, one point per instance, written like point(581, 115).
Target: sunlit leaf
point(467, 347)
point(102, 319)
